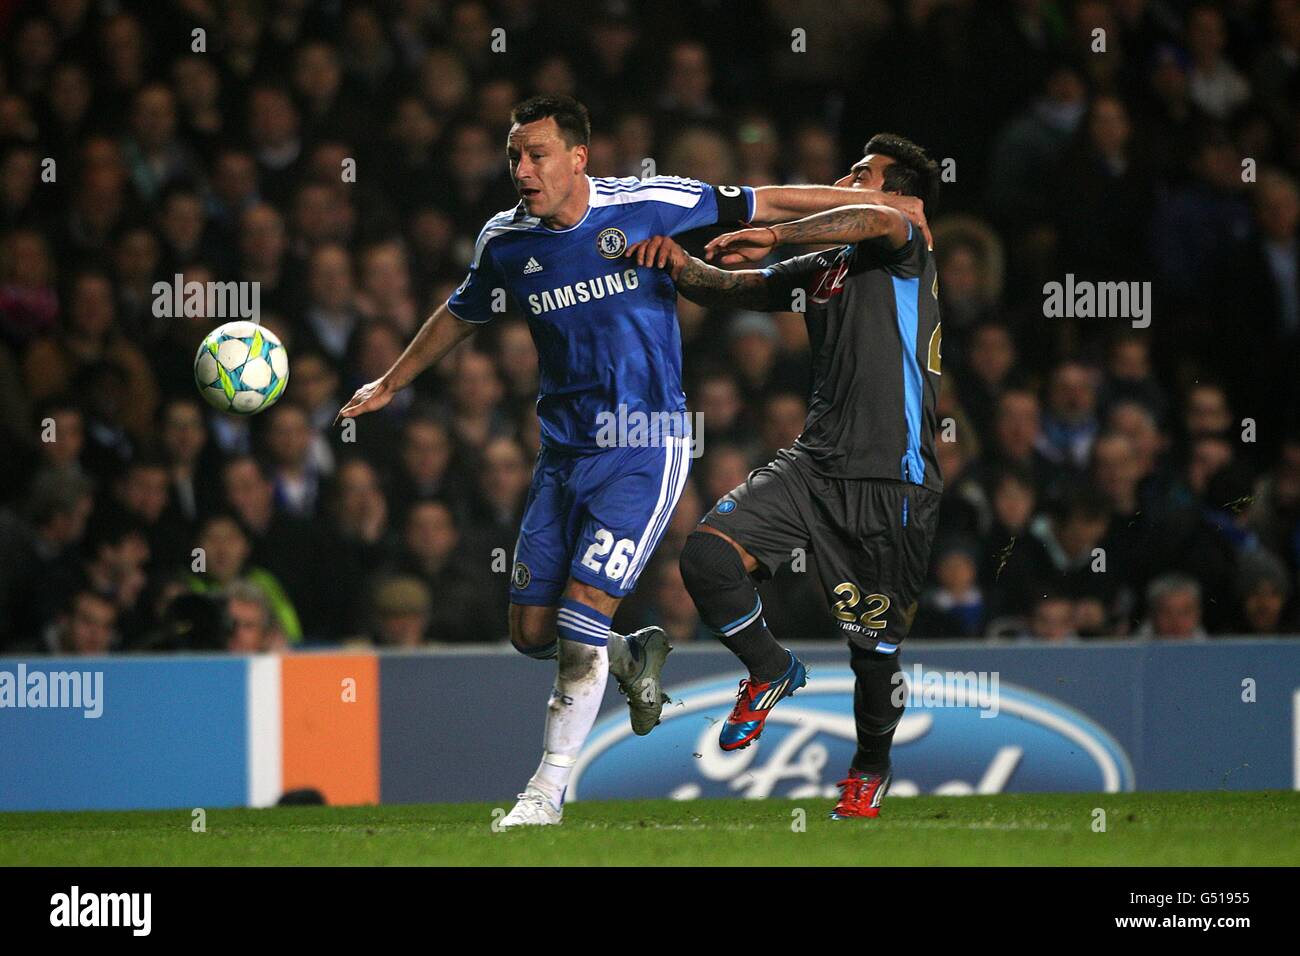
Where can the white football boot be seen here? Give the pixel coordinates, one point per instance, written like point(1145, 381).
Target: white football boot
point(534, 809)
point(637, 663)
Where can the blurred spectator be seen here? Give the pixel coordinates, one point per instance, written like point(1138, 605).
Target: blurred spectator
point(296, 475)
point(62, 423)
point(358, 536)
point(687, 87)
point(1206, 412)
point(225, 559)
point(970, 261)
point(39, 555)
point(316, 392)
point(1104, 188)
point(1016, 439)
point(1266, 268)
point(717, 398)
point(783, 420)
point(28, 303)
point(116, 555)
point(954, 606)
point(1129, 375)
point(153, 153)
point(1264, 589)
point(1030, 146)
point(90, 336)
point(1061, 553)
point(1275, 511)
point(1052, 619)
point(184, 438)
point(87, 627)
point(400, 609)
point(1195, 225)
point(476, 396)
point(724, 467)
point(1215, 85)
point(753, 341)
point(331, 316)
point(987, 366)
point(1069, 422)
point(252, 622)
point(517, 359)
point(433, 552)
point(288, 547)
point(426, 469)
point(263, 258)
point(1174, 608)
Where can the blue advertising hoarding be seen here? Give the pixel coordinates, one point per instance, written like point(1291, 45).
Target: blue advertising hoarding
point(467, 725)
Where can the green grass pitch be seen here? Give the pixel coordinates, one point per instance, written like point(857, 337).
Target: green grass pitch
point(1191, 829)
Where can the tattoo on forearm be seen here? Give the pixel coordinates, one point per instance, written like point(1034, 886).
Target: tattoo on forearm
point(846, 224)
point(705, 285)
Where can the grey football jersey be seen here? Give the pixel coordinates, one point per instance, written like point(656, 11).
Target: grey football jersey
point(874, 331)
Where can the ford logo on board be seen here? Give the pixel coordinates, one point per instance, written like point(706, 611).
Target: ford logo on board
point(1033, 743)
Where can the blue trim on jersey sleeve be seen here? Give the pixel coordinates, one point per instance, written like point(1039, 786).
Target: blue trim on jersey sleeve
point(751, 202)
point(906, 293)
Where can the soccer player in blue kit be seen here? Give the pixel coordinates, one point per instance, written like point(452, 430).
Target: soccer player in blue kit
point(608, 347)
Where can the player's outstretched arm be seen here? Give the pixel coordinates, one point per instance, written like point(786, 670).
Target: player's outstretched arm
point(700, 282)
point(847, 224)
point(782, 203)
point(441, 332)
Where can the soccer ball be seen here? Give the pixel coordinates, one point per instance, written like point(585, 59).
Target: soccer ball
point(241, 368)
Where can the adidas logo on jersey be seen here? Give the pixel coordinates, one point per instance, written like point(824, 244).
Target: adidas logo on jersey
point(532, 266)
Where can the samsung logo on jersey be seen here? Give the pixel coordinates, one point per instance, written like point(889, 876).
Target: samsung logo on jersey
point(612, 283)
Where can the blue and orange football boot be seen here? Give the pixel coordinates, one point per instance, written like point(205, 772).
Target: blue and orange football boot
point(753, 703)
point(860, 795)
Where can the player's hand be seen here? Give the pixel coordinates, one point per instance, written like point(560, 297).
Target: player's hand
point(370, 397)
point(743, 245)
point(658, 252)
point(914, 209)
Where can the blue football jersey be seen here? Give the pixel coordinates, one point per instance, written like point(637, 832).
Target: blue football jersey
point(606, 331)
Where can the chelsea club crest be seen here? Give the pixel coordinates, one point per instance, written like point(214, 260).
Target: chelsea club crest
point(611, 243)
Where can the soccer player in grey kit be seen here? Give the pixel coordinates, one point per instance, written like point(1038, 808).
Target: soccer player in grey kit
point(860, 486)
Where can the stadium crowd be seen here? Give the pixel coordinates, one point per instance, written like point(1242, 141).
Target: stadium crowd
point(1104, 477)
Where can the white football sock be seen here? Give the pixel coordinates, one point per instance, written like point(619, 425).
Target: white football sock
point(575, 699)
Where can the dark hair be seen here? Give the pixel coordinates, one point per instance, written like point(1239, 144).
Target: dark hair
point(215, 515)
point(263, 469)
point(570, 116)
point(912, 172)
point(109, 528)
point(1017, 474)
point(1081, 504)
point(57, 495)
point(150, 455)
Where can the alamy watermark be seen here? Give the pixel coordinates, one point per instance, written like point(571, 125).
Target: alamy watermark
point(213, 300)
point(132, 911)
point(1084, 299)
point(932, 688)
point(59, 690)
point(632, 428)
